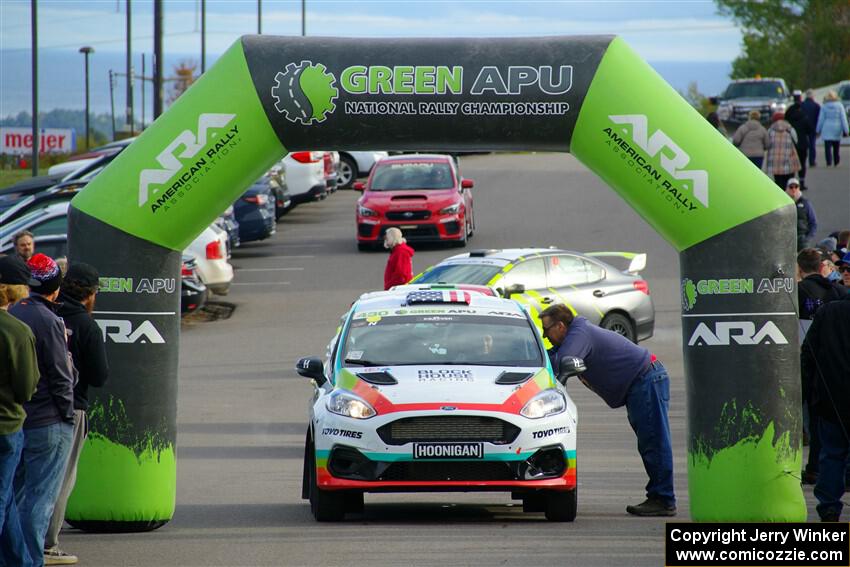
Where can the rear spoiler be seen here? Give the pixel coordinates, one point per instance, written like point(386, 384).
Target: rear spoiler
point(637, 260)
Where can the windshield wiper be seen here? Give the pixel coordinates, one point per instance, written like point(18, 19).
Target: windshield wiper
point(363, 362)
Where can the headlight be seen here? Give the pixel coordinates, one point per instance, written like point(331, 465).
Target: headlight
point(724, 111)
point(778, 106)
point(450, 210)
point(345, 403)
point(365, 212)
point(547, 402)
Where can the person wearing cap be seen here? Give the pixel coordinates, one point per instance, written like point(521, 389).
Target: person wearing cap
point(751, 138)
point(832, 126)
point(782, 161)
point(812, 110)
point(49, 424)
point(802, 128)
point(85, 341)
point(399, 269)
point(622, 374)
point(18, 378)
point(807, 222)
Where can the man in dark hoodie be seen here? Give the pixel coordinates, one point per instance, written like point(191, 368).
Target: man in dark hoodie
point(824, 359)
point(813, 291)
point(85, 341)
point(49, 425)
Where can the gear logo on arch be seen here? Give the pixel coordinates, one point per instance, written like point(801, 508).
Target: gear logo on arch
point(689, 294)
point(305, 93)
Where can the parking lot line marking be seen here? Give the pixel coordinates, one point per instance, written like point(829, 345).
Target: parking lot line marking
point(133, 313)
point(261, 283)
point(268, 269)
point(286, 257)
point(740, 314)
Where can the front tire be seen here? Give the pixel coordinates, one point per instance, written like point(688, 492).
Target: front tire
point(326, 505)
point(620, 324)
point(561, 506)
point(347, 172)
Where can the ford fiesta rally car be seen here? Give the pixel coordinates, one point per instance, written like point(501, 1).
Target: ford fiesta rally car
point(438, 390)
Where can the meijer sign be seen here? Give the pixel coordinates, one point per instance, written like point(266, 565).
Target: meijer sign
point(18, 140)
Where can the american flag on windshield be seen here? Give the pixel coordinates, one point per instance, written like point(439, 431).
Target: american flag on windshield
point(438, 297)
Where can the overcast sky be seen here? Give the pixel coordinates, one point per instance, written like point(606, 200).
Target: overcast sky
point(660, 30)
point(678, 31)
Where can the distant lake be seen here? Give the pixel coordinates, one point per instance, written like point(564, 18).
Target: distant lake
point(61, 79)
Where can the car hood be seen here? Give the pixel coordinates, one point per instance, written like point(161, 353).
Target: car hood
point(458, 386)
point(406, 200)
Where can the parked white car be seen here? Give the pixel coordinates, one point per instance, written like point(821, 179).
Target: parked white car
point(211, 252)
point(356, 164)
point(305, 176)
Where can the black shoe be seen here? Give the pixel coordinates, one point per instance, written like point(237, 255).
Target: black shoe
point(809, 477)
point(652, 507)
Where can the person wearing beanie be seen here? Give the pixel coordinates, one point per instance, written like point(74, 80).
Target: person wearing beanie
point(782, 161)
point(77, 296)
point(399, 268)
point(18, 378)
point(49, 424)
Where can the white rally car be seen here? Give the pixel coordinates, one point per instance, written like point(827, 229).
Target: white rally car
point(438, 390)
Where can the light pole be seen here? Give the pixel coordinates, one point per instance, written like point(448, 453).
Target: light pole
point(86, 51)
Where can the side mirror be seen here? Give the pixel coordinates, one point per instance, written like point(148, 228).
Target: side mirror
point(713, 100)
point(570, 366)
point(515, 288)
point(358, 186)
point(467, 184)
point(312, 367)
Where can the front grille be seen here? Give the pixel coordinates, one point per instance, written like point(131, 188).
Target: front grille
point(420, 232)
point(364, 230)
point(448, 428)
point(742, 114)
point(448, 470)
point(408, 215)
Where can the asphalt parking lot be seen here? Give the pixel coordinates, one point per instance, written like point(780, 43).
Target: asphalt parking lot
point(242, 408)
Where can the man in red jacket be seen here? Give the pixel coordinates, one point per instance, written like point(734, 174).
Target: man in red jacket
point(399, 268)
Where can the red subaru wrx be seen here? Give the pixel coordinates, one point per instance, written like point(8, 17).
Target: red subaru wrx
point(423, 195)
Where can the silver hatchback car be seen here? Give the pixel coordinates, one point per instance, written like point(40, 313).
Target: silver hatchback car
point(614, 299)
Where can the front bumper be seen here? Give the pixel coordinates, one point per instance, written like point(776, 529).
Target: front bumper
point(504, 458)
point(440, 228)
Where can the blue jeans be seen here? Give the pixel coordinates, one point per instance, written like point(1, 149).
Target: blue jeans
point(646, 404)
point(13, 550)
point(834, 448)
point(38, 479)
point(757, 161)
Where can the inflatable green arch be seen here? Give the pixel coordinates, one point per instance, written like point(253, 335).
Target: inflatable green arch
point(592, 96)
